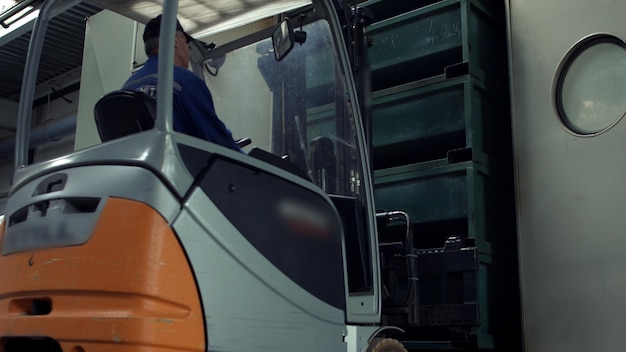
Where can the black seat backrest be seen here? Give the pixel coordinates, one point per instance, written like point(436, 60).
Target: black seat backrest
point(124, 112)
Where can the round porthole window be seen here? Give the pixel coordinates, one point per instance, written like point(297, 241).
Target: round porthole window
point(590, 85)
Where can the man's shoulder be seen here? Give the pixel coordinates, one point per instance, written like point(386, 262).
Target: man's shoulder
point(188, 81)
point(140, 77)
point(185, 74)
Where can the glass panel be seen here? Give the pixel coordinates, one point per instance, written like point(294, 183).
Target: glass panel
point(594, 88)
point(299, 107)
point(296, 107)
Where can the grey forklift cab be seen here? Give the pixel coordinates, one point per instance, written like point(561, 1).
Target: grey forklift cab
point(156, 240)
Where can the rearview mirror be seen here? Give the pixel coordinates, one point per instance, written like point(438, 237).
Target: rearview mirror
point(283, 39)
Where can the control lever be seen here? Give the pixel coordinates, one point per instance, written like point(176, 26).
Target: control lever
point(243, 142)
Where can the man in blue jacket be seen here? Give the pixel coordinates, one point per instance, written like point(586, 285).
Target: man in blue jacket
point(194, 113)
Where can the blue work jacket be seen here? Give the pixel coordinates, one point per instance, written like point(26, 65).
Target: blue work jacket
point(194, 112)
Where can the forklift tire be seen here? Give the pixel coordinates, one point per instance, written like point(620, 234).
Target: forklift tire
point(386, 345)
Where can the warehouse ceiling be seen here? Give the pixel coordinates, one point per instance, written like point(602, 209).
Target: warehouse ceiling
point(201, 18)
point(63, 48)
point(62, 52)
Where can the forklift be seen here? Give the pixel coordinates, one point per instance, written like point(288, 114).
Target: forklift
point(154, 240)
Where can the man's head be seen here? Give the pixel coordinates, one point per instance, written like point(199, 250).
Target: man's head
point(151, 41)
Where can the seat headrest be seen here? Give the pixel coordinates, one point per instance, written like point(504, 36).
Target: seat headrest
point(124, 112)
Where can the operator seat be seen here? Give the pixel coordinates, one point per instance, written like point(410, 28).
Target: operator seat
point(124, 112)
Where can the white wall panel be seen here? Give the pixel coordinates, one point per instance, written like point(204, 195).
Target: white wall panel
point(107, 64)
point(571, 193)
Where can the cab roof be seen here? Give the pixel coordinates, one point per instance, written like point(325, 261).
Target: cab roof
point(204, 17)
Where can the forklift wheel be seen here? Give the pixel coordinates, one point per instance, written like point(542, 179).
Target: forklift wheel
point(386, 345)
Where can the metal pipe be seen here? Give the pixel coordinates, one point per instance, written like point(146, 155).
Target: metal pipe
point(50, 131)
point(165, 96)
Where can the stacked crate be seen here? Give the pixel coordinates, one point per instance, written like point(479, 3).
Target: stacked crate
point(442, 148)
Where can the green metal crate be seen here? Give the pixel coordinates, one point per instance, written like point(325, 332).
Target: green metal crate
point(422, 43)
point(417, 122)
point(384, 9)
point(464, 199)
point(496, 294)
point(321, 122)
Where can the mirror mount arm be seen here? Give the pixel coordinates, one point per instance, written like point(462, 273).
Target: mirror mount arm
point(300, 36)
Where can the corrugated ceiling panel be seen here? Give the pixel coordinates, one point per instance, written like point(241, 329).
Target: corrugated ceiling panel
point(62, 52)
